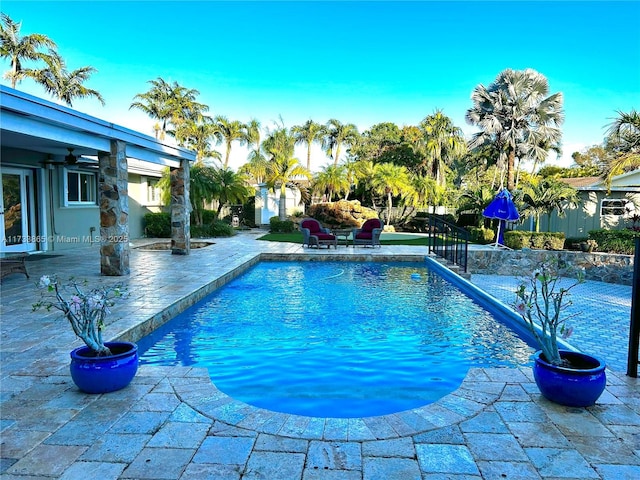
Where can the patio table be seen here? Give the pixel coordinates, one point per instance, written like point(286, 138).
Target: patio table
point(344, 233)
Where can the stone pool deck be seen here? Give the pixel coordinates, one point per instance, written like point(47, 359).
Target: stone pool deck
point(172, 423)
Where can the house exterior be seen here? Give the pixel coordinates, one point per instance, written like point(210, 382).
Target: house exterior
point(69, 179)
point(599, 208)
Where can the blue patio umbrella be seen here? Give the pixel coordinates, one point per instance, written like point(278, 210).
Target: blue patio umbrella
point(502, 208)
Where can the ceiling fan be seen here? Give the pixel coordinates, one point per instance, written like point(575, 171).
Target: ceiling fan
point(69, 160)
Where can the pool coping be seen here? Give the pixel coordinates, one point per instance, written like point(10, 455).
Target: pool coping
point(480, 388)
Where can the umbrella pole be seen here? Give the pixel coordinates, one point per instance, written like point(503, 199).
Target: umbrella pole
point(498, 234)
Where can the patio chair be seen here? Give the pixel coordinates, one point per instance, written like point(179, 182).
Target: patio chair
point(369, 233)
point(315, 234)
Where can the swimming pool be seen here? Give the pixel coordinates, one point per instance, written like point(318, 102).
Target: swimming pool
point(336, 339)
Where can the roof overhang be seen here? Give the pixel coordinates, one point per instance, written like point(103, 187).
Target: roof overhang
point(34, 124)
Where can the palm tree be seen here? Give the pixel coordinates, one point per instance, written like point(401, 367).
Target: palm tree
point(332, 179)
point(516, 114)
point(230, 187)
point(364, 173)
point(475, 200)
point(17, 48)
point(335, 135)
point(623, 137)
point(547, 195)
point(228, 131)
point(391, 180)
point(62, 84)
point(202, 189)
point(170, 104)
point(197, 136)
point(282, 168)
point(307, 134)
point(442, 142)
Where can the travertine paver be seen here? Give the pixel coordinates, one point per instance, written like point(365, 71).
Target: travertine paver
point(159, 463)
point(172, 423)
point(449, 459)
point(391, 468)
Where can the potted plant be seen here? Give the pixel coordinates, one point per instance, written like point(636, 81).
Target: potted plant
point(588, 245)
point(97, 367)
point(563, 376)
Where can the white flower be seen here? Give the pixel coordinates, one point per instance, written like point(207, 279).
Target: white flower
point(44, 282)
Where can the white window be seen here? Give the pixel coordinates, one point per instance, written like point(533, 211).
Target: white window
point(80, 188)
point(614, 206)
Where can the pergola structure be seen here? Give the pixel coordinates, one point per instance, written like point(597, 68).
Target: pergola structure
point(34, 130)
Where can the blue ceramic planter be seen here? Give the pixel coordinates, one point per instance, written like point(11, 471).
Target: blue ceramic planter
point(104, 374)
point(574, 387)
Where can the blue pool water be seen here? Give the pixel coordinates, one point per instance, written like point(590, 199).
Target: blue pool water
point(336, 339)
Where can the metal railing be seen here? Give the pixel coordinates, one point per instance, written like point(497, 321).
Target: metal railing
point(634, 324)
point(448, 241)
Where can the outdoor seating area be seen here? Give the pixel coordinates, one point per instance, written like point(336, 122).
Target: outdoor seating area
point(173, 423)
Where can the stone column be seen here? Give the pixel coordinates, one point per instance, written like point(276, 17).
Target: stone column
point(180, 210)
point(113, 197)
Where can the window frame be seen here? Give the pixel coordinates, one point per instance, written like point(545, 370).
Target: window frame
point(92, 192)
point(612, 210)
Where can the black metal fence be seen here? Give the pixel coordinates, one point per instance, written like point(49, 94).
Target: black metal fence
point(634, 324)
point(448, 241)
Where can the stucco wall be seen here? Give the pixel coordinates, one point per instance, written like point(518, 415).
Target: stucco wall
point(604, 267)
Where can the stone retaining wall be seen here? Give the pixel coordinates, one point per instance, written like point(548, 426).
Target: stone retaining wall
point(603, 267)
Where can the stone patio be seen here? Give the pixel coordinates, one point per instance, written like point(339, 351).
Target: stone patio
point(172, 422)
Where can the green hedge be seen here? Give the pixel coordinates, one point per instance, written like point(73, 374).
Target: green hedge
point(518, 240)
point(481, 235)
point(218, 228)
point(615, 241)
point(157, 225)
point(277, 226)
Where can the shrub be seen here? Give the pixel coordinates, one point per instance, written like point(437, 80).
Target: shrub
point(541, 240)
point(157, 225)
point(481, 235)
point(277, 226)
point(215, 229)
point(615, 241)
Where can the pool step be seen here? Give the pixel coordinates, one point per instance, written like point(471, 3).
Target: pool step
point(454, 268)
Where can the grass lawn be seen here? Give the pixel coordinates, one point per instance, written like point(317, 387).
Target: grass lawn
point(296, 237)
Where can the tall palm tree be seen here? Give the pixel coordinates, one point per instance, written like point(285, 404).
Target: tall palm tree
point(517, 114)
point(282, 168)
point(170, 104)
point(337, 134)
point(547, 195)
point(228, 131)
point(391, 180)
point(332, 179)
point(61, 83)
point(307, 134)
point(230, 187)
point(19, 48)
point(442, 142)
point(623, 137)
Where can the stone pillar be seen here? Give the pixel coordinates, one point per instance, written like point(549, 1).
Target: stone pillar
point(180, 210)
point(113, 196)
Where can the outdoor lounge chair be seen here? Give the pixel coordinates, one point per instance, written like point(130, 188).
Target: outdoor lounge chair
point(369, 233)
point(314, 234)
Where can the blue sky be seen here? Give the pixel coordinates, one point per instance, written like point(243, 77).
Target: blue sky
point(359, 62)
